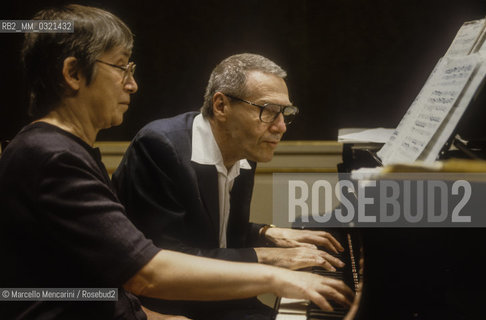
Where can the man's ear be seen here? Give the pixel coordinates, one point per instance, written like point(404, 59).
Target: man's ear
point(71, 73)
point(220, 106)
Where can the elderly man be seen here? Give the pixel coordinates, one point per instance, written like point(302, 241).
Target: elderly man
point(61, 224)
point(187, 181)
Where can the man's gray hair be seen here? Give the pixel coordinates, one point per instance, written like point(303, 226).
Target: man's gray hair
point(230, 76)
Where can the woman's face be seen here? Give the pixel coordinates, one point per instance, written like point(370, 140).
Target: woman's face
point(107, 97)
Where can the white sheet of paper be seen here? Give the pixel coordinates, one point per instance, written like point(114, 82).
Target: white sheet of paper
point(375, 135)
point(366, 173)
point(466, 38)
point(447, 128)
point(407, 120)
point(429, 109)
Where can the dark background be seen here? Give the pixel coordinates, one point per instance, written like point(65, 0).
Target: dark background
point(351, 63)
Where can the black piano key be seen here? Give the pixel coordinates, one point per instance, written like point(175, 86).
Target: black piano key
point(337, 307)
point(325, 317)
point(320, 313)
point(313, 312)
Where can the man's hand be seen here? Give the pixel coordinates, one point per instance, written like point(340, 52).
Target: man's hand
point(298, 258)
point(291, 238)
point(318, 289)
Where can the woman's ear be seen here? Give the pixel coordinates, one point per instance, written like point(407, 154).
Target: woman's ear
point(71, 73)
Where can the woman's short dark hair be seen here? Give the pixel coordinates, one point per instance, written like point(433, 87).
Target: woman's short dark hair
point(95, 32)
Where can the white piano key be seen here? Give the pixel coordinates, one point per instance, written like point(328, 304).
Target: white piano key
point(293, 306)
point(291, 317)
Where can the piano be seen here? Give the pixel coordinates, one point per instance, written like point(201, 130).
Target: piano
point(406, 273)
point(423, 273)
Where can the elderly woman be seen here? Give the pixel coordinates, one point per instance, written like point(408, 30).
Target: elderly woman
point(61, 224)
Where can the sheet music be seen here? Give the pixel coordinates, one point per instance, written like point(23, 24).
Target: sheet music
point(407, 119)
point(429, 109)
point(447, 128)
point(480, 45)
point(466, 38)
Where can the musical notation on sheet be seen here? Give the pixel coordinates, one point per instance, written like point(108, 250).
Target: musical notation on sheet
point(466, 39)
point(432, 106)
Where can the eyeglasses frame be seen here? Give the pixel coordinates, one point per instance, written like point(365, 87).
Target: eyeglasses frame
point(128, 69)
point(262, 107)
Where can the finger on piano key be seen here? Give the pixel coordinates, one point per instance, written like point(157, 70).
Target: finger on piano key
point(348, 274)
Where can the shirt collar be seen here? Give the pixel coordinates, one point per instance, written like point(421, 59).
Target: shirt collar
point(205, 150)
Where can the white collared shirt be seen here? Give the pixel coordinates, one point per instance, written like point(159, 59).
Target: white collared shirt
point(205, 150)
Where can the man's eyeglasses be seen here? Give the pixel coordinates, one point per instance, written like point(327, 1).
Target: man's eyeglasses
point(128, 70)
point(270, 111)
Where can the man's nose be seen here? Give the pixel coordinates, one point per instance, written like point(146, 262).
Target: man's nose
point(278, 125)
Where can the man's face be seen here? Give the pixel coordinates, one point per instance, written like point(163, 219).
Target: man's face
point(107, 97)
point(252, 138)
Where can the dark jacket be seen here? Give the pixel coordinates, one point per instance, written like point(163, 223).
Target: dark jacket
point(174, 201)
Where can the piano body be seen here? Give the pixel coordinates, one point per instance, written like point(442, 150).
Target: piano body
point(427, 273)
point(407, 273)
point(423, 273)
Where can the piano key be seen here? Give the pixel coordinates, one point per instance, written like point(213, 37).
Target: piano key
point(293, 306)
point(304, 310)
point(291, 317)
